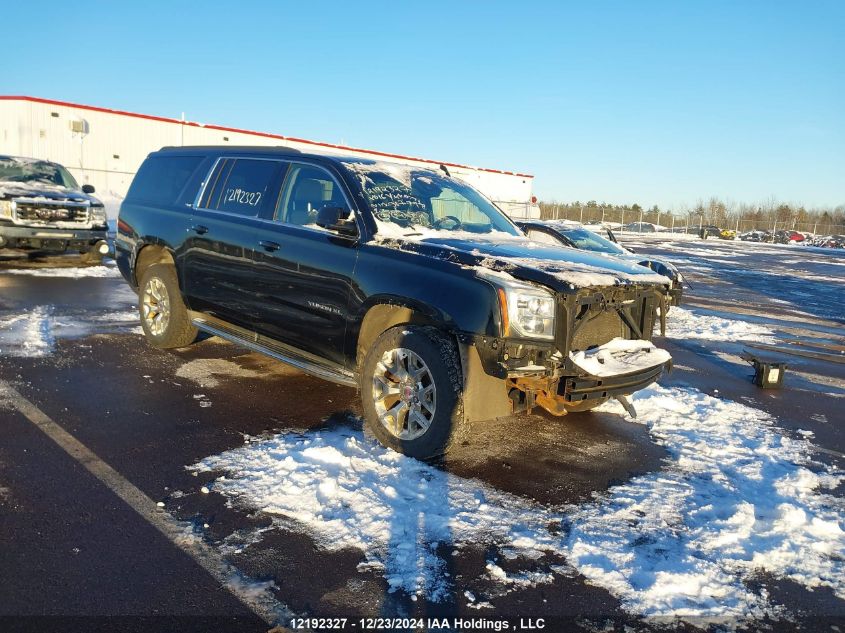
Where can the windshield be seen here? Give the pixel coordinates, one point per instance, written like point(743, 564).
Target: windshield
point(409, 201)
point(590, 241)
point(35, 171)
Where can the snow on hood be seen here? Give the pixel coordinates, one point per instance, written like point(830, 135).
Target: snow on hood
point(42, 191)
point(510, 253)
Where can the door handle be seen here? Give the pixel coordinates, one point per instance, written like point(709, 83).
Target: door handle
point(269, 246)
point(199, 229)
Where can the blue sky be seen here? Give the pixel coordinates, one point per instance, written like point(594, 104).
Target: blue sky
point(647, 102)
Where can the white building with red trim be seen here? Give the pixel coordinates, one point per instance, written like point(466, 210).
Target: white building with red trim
point(105, 147)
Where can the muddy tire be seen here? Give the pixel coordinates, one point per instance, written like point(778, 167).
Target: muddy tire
point(411, 391)
point(164, 317)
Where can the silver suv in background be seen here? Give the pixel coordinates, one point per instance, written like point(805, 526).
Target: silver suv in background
point(44, 210)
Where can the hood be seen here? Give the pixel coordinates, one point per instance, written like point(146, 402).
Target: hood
point(10, 189)
point(561, 268)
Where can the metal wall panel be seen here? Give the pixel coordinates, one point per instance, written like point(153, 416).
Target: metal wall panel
point(105, 149)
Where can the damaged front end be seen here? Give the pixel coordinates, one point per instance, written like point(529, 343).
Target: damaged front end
point(601, 349)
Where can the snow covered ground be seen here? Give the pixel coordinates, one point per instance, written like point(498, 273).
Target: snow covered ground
point(34, 332)
point(686, 324)
point(735, 498)
point(81, 272)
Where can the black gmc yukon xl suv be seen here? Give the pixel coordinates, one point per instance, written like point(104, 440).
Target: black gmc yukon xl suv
point(401, 281)
point(43, 209)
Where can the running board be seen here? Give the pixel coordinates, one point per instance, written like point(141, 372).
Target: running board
point(284, 353)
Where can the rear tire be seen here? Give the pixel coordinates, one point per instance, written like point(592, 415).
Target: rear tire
point(164, 316)
point(411, 391)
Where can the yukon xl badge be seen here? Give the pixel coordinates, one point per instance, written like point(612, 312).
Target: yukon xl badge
point(323, 307)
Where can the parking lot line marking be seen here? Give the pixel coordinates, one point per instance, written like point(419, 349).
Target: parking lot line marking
point(265, 607)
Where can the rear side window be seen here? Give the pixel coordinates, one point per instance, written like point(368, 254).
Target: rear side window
point(161, 179)
point(241, 185)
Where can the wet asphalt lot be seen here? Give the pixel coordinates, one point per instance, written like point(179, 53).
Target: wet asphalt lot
point(71, 546)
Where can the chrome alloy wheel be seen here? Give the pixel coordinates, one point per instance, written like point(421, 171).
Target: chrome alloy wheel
point(404, 394)
point(155, 306)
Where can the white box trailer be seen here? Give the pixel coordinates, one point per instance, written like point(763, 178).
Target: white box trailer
point(105, 147)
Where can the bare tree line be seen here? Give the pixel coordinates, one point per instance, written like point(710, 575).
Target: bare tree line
point(768, 215)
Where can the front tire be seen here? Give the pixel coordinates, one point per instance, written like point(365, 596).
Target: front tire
point(164, 316)
point(411, 391)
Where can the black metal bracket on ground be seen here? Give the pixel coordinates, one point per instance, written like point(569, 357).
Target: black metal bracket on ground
point(768, 371)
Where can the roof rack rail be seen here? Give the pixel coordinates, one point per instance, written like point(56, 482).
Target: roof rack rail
point(238, 148)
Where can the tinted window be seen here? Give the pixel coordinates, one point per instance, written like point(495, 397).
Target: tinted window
point(241, 185)
point(161, 179)
point(307, 190)
point(543, 237)
point(589, 241)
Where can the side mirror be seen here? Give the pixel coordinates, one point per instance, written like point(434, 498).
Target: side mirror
point(611, 236)
point(87, 188)
point(335, 219)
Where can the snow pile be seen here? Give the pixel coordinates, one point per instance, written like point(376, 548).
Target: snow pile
point(29, 334)
point(620, 356)
point(682, 323)
point(734, 498)
point(346, 491)
point(66, 273)
point(33, 333)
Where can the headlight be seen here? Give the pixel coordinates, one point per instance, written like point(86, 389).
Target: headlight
point(528, 311)
point(98, 215)
point(6, 208)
